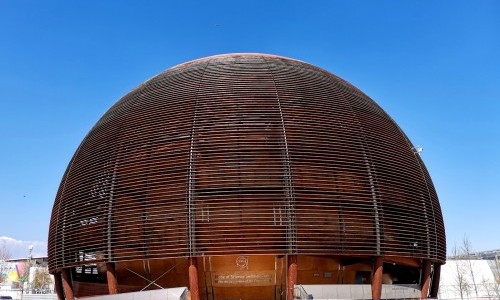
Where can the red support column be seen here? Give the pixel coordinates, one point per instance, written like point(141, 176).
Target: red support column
point(58, 286)
point(435, 281)
point(67, 284)
point(193, 279)
point(111, 276)
point(292, 275)
point(425, 282)
point(378, 271)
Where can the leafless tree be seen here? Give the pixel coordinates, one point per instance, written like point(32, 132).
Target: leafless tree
point(470, 278)
point(467, 252)
point(494, 288)
point(41, 280)
point(4, 252)
point(491, 288)
point(460, 280)
point(4, 256)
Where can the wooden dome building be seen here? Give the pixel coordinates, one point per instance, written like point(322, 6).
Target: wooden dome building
point(242, 176)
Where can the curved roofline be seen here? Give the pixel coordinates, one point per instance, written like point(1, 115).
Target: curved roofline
point(236, 54)
point(208, 58)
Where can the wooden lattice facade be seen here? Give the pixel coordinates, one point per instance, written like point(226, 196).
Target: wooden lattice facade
point(243, 155)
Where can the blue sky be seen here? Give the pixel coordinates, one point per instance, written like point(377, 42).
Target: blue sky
point(434, 66)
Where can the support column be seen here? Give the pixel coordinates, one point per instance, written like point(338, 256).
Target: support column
point(111, 276)
point(292, 275)
point(58, 285)
point(67, 284)
point(378, 271)
point(193, 279)
point(425, 282)
point(435, 281)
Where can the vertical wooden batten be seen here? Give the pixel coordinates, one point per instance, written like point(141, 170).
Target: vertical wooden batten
point(67, 284)
point(111, 276)
point(426, 279)
point(378, 270)
point(58, 285)
point(193, 279)
point(292, 275)
point(435, 280)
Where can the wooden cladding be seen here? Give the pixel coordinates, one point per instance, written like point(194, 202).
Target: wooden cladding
point(244, 154)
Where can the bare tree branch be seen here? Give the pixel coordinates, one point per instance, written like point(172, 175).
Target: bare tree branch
point(460, 280)
point(467, 252)
point(4, 256)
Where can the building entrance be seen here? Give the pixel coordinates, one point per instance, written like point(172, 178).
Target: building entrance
point(244, 277)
